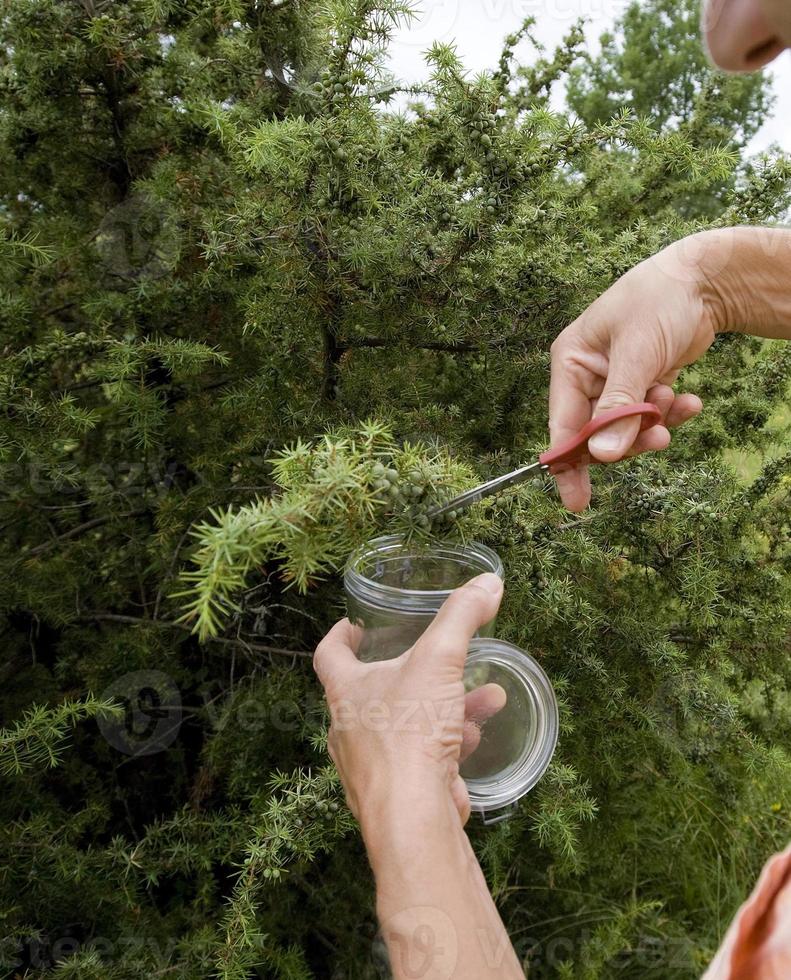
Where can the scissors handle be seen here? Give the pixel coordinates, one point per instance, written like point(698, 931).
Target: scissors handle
point(574, 452)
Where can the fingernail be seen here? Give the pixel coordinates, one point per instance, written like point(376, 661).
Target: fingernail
point(489, 582)
point(604, 442)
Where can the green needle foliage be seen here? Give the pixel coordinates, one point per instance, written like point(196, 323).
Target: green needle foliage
point(258, 304)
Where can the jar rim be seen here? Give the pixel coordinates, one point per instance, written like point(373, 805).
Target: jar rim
point(490, 794)
point(379, 595)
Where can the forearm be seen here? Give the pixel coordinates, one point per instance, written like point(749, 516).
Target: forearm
point(437, 915)
point(746, 278)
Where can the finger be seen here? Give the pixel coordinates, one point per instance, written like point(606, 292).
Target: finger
point(462, 614)
point(479, 706)
point(574, 487)
point(662, 396)
point(576, 377)
point(653, 440)
point(470, 740)
point(483, 702)
point(461, 798)
point(684, 408)
point(572, 384)
point(669, 377)
point(336, 654)
point(627, 382)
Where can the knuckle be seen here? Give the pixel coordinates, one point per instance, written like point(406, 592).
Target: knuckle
point(616, 397)
point(564, 343)
point(319, 659)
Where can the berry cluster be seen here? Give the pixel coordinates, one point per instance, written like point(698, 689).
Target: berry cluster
point(537, 578)
point(341, 205)
point(646, 502)
point(645, 505)
point(327, 809)
point(337, 90)
point(770, 475)
point(490, 204)
point(448, 517)
point(410, 495)
point(337, 150)
point(702, 511)
point(753, 417)
point(482, 126)
point(539, 536)
point(401, 144)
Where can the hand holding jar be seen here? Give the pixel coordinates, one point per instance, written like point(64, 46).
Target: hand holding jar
point(403, 725)
point(400, 728)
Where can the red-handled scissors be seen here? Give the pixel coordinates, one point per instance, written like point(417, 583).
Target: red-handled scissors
point(573, 452)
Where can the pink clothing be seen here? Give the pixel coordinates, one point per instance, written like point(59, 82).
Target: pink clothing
point(757, 946)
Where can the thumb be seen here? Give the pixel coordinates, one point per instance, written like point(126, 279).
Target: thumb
point(624, 386)
point(447, 638)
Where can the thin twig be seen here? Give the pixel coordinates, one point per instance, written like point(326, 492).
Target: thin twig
point(168, 576)
point(398, 345)
point(170, 624)
point(80, 529)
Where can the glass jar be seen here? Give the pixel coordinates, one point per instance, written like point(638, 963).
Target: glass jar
point(394, 590)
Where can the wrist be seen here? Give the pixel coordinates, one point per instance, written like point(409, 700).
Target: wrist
point(702, 262)
point(392, 821)
point(741, 276)
point(416, 850)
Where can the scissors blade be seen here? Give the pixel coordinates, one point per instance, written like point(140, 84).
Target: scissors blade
point(470, 497)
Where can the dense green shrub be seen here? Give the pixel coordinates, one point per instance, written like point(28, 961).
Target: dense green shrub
point(240, 293)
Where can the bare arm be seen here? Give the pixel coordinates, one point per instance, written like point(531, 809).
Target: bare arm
point(437, 914)
point(399, 730)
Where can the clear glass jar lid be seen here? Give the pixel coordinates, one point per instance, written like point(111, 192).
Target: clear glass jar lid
point(517, 743)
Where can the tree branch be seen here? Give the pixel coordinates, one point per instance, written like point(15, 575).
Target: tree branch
point(107, 617)
point(80, 529)
point(426, 345)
